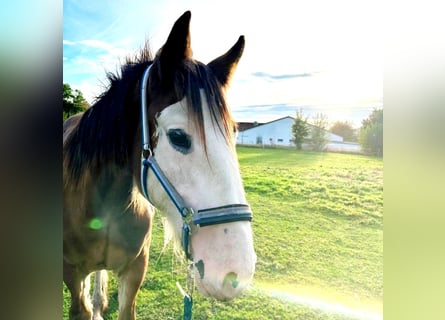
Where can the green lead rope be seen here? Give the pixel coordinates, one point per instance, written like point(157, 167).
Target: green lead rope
point(188, 303)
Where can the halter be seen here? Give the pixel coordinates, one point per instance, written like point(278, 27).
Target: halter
point(201, 218)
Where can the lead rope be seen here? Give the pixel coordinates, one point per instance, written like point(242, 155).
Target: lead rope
point(188, 292)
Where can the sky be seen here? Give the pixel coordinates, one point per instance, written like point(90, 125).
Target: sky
point(315, 56)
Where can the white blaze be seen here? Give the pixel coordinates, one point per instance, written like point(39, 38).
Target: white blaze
point(223, 253)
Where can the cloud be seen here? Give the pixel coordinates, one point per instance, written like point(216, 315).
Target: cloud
point(269, 76)
point(97, 44)
point(263, 112)
point(100, 45)
point(92, 58)
point(68, 42)
point(267, 106)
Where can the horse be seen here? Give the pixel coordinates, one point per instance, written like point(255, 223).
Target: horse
point(160, 136)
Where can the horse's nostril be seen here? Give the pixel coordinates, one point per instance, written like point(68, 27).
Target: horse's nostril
point(200, 266)
point(231, 278)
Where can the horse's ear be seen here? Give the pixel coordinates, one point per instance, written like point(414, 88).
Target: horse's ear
point(224, 66)
point(177, 48)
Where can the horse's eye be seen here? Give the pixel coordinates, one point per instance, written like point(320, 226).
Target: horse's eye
point(180, 140)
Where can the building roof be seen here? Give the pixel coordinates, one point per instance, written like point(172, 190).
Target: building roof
point(248, 125)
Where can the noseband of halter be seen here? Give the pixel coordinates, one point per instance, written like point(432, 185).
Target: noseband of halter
point(202, 218)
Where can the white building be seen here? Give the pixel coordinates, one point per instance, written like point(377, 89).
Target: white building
point(276, 132)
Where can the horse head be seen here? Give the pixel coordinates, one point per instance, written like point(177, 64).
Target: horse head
point(192, 139)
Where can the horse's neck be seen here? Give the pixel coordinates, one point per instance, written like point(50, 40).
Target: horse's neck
point(113, 184)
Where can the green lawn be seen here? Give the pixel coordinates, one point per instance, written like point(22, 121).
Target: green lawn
point(318, 230)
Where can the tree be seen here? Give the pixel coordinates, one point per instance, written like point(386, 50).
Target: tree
point(371, 133)
point(319, 137)
point(300, 129)
point(345, 130)
point(73, 101)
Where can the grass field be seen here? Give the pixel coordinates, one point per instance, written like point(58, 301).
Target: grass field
point(318, 231)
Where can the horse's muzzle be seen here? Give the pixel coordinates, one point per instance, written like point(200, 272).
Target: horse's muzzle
point(224, 259)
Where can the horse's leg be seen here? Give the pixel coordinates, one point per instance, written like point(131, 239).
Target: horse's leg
point(79, 285)
point(100, 294)
point(130, 281)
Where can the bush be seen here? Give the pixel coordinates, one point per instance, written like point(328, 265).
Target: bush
point(371, 134)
